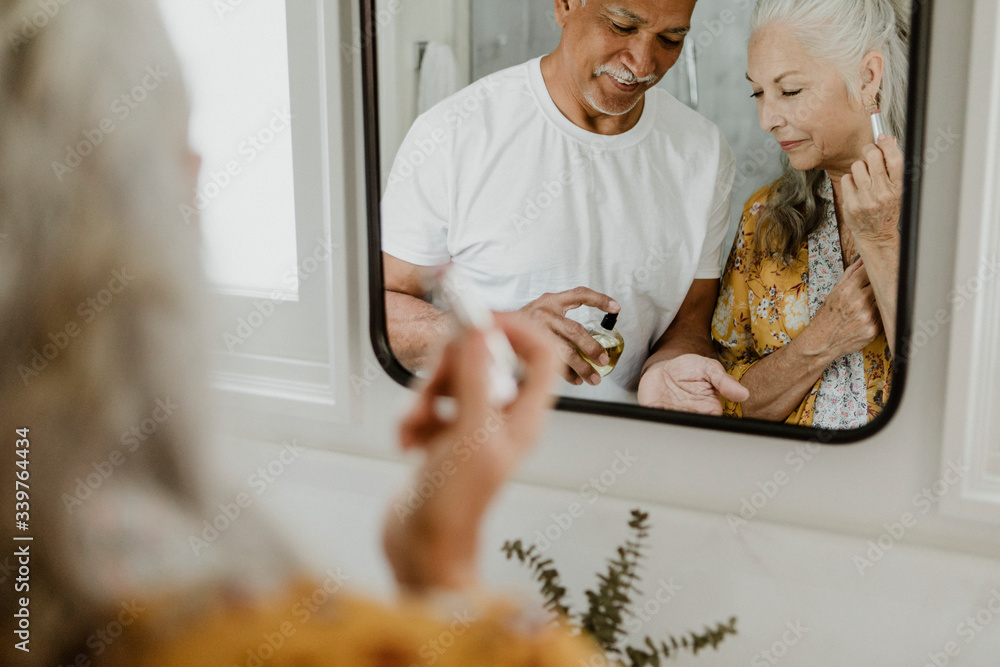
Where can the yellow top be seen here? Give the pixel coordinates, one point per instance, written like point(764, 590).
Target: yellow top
point(764, 304)
point(306, 627)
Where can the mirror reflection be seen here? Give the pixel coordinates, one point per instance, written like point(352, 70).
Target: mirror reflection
point(698, 201)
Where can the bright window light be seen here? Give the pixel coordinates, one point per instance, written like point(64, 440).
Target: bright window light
point(235, 61)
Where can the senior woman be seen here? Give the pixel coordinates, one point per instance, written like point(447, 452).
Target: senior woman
point(806, 316)
point(115, 578)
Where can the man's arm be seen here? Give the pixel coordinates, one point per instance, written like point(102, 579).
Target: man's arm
point(691, 330)
point(682, 373)
point(413, 324)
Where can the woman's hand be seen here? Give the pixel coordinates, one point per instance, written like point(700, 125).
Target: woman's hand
point(846, 322)
point(432, 530)
point(873, 194)
point(849, 318)
point(872, 201)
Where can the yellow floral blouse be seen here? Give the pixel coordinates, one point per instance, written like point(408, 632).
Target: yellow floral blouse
point(764, 304)
point(306, 627)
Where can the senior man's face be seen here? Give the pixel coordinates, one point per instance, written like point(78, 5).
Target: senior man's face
point(622, 48)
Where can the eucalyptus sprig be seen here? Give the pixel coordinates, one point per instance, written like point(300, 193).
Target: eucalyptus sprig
point(610, 605)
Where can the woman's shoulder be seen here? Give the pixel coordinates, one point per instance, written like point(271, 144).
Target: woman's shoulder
point(753, 208)
point(319, 624)
point(755, 204)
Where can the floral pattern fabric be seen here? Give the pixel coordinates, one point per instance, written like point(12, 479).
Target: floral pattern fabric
point(764, 304)
point(842, 401)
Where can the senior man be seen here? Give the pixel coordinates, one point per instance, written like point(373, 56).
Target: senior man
point(568, 181)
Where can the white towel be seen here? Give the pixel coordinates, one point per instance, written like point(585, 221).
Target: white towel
point(438, 76)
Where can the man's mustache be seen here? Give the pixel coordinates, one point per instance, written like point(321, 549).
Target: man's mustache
point(624, 74)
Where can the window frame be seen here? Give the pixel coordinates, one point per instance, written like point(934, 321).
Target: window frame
point(296, 364)
point(973, 388)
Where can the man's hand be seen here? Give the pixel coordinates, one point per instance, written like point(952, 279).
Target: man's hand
point(689, 383)
point(549, 312)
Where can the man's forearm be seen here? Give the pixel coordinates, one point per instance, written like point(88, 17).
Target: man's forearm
point(680, 343)
point(413, 326)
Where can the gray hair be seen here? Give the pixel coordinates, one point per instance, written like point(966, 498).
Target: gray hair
point(841, 32)
point(100, 295)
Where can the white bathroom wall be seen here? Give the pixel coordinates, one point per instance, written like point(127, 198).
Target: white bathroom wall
point(401, 25)
point(841, 544)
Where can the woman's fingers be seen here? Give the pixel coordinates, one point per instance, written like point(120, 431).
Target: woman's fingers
point(464, 373)
point(539, 365)
point(460, 373)
point(852, 269)
point(422, 422)
point(856, 275)
point(861, 274)
point(862, 170)
point(880, 183)
point(471, 361)
point(895, 163)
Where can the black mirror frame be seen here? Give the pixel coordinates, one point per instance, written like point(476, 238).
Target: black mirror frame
point(920, 43)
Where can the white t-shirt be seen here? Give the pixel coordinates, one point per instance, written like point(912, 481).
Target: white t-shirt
point(497, 181)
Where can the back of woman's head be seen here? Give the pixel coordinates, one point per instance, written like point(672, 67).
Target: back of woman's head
point(843, 32)
point(98, 288)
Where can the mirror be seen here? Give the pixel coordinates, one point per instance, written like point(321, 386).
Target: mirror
point(455, 186)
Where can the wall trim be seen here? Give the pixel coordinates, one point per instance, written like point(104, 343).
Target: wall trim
point(972, 413)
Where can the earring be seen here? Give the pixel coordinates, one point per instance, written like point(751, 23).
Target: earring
point(872, 106)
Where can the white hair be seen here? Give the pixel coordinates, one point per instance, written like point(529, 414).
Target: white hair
point(842, 32)
point(100, 284)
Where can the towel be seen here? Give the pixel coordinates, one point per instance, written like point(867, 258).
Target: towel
point(438, 76)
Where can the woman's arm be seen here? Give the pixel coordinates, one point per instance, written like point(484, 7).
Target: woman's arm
point(882, 260)
point(433, 544)
point(779, 382)
point(873, 194)
point(846, 323)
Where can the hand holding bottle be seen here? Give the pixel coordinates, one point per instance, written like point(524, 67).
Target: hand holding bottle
point(569, 337)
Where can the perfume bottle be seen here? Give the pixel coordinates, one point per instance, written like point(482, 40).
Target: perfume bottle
point(878, 124)
point(612, 342)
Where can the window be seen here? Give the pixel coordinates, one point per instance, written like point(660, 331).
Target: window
point(972, 418)
point(272, 207)
point(236, 66)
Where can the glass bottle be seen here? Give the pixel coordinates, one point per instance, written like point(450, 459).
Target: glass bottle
point(609, 338)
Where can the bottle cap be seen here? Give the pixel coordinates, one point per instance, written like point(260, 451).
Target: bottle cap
point(609, 321)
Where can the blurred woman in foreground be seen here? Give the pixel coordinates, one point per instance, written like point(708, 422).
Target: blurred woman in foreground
point(100, 295)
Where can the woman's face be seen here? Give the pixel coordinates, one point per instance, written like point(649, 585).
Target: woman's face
point(805, 104)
